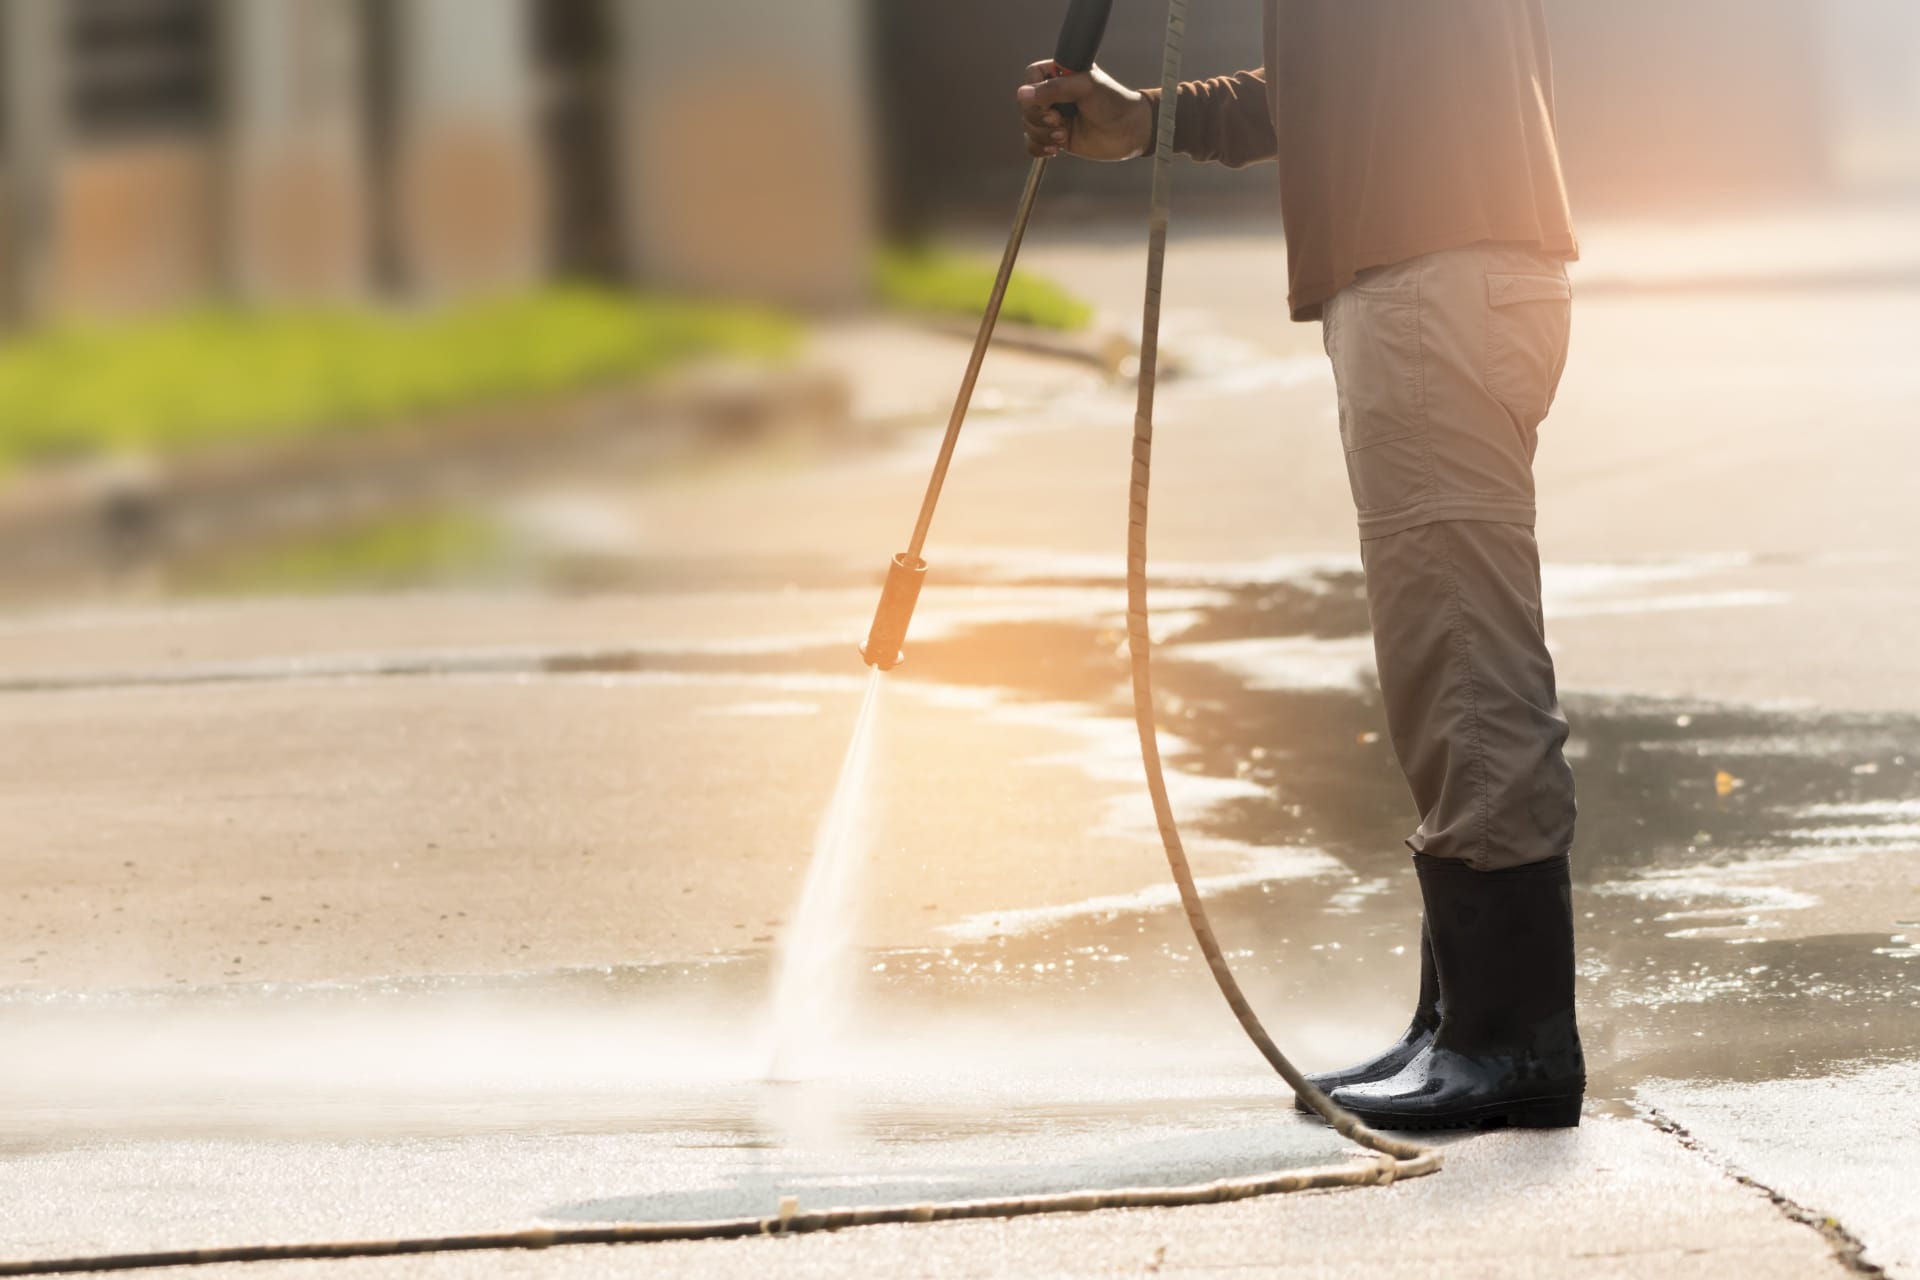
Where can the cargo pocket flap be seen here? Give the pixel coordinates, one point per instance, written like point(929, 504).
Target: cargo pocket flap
point(1505, 290)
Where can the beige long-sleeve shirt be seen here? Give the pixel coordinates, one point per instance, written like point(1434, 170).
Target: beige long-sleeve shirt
point(1401, 127)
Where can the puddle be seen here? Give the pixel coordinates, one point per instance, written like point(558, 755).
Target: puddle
point(1708, 837)
point(1708, 834)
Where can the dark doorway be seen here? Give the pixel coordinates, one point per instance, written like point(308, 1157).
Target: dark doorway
point(578, 54)
point(138, 70)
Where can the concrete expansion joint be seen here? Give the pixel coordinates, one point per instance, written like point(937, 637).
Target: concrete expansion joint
point(1848, 1249)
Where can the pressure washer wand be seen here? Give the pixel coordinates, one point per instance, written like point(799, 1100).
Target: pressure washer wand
point(1080, 34)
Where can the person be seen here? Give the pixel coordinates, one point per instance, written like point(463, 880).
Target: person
point(1428, 231)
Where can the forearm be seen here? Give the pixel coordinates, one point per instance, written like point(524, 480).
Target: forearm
point(1225, 119)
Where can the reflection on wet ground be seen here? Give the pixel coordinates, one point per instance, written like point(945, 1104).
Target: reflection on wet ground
point(1705, 832)
point(1692, 820)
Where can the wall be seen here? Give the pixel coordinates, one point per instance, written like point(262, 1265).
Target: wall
point(1661, 105)
point(296, 177)
point(747, 143)
point(136, 228)
point(469, 202)
point(1667, 106)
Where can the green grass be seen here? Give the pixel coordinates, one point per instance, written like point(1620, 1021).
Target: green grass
point(403, 551)
point(218, 377)
point(943, 283)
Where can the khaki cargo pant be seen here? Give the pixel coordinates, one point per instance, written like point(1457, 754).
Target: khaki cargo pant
point(1446, 364)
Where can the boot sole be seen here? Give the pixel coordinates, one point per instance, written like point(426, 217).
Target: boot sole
point(1532, 1113)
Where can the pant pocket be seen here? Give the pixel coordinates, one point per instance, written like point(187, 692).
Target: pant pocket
point(1373, 339)
point(1528, 321)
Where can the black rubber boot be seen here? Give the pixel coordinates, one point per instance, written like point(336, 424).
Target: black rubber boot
point(1426, 1018)
point(1507, 1051)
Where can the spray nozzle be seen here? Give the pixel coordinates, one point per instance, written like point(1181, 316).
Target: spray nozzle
point(888, 634)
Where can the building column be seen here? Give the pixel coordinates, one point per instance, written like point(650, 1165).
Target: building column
point(1872, 70)
point(32, 81)
point(296, 176)
point(469, 204)
point(747, 149)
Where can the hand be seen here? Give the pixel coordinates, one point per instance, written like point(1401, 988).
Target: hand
point(1113, 121)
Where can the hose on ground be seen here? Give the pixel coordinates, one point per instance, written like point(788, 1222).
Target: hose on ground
point(1225, 1191)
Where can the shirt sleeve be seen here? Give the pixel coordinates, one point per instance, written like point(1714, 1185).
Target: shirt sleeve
point(1225, 119)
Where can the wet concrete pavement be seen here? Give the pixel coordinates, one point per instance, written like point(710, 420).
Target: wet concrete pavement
point(455, 911)
point(1526, 1231)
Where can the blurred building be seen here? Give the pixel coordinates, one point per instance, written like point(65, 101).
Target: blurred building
point(1714, 103)
point(1663, 106)
point(159, 152)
